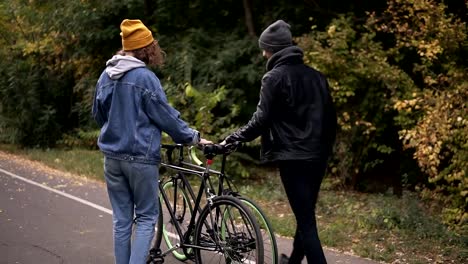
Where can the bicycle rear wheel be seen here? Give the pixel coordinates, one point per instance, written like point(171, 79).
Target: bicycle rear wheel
point(228, 233)
point(182, 209)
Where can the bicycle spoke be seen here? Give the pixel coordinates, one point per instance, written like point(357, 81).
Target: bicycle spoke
point(230, 237)
point(182, 210)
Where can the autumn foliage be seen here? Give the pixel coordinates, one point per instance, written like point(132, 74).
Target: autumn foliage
point(398, 76)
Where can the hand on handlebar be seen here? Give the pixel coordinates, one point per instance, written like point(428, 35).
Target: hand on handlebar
point(204, 141)
point(210, 149)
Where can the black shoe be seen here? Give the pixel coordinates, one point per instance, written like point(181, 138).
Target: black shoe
point(284, 259)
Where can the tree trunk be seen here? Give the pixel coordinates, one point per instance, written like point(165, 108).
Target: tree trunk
point(149, 8)
point(248, 17)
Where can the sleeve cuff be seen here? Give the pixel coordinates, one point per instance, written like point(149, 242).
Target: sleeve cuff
point(230, 139)
point(196, 137)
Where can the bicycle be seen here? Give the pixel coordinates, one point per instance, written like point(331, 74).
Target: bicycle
point(224, 187)
point(222, 228)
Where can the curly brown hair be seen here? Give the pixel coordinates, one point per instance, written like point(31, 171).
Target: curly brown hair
point(152, 54)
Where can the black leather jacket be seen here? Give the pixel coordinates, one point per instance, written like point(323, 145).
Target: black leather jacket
point(295, 114)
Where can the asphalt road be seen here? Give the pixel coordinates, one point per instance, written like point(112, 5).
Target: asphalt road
point(49, 217)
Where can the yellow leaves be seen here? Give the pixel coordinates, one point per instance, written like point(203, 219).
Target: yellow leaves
point(346, 123)
point(369, 127)
point(346, 116)
point(429, 50)
point(331, 30)
point(47, 44)
point(407, 105)
point(343, 121)
point(426, 26)
point(430, 81)
point(190, 91)
point(455, 215)
point(439, 139)
point(406, 135)
point(457, 176)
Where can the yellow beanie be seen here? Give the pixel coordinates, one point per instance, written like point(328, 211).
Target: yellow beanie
point(135, 34)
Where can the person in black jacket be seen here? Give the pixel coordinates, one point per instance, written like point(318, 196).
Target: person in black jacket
point(296, 119)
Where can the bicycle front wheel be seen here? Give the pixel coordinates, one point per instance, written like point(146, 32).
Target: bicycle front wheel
point(269, 240)
point(182, 210)
point(227, 232)
point(156, 243)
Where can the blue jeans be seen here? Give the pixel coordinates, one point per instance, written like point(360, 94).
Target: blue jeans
point(133, 192)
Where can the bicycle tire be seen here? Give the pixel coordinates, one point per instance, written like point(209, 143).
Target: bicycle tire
point(228, 232)
point(270, 247)
point(156, 243)
point(183, 212)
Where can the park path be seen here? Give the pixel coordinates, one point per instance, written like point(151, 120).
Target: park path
point(48, 216)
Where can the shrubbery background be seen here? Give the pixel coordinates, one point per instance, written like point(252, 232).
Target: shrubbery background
point(397, 70)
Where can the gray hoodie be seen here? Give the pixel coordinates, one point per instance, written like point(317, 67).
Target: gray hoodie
point(118, 65)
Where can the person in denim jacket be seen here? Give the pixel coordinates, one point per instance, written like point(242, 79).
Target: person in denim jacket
point(131, 108)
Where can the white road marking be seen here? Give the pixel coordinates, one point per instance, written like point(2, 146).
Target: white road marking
point(85, 202)
point(77, 199)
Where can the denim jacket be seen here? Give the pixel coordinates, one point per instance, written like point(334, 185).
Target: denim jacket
point(131, 108)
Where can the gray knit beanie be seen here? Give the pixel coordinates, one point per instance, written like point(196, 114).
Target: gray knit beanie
point(276, 37)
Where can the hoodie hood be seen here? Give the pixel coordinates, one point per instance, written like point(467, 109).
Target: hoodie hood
point(118, 65)
point(289, 55)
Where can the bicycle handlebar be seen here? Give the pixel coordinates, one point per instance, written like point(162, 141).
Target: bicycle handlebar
point(212, 150)
point(209, 150)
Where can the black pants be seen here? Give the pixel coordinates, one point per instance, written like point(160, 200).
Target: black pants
point(301, 180)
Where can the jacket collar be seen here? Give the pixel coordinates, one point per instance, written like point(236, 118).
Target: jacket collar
point(289, 55)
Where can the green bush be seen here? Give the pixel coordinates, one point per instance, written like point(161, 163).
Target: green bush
point(400, 87)
point(433, 118)
point(80, 139)
point(46, 69)
point(363, 84)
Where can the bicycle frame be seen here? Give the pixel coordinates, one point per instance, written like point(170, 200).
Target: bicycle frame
point(181, 171)
point(222, 178)
point(190, 168)
point(225, 186)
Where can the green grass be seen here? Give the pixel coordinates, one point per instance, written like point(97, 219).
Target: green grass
point(378, 226)
point(382, 227)
point(88, 163)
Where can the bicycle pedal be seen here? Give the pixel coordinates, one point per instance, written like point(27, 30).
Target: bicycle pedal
point(155, 257)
